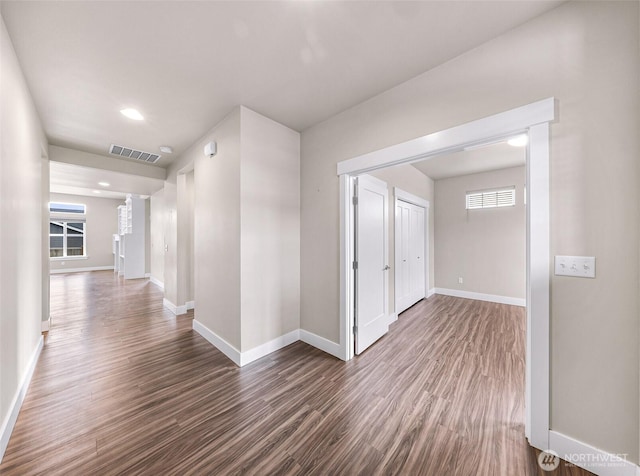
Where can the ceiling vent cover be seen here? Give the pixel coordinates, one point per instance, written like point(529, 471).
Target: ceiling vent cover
point(134, 154)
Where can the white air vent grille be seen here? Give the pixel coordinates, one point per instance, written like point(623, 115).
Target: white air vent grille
point(134, 154)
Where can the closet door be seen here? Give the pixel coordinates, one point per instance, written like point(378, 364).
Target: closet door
point(410, 274)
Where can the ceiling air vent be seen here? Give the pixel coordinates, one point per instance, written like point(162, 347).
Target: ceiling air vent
point(134, 154)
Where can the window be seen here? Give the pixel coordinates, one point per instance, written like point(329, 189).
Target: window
point(503, 197)
point(67, 230)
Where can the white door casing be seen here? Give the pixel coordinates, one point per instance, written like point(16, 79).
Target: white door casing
point(371, 258)
point(534, 119)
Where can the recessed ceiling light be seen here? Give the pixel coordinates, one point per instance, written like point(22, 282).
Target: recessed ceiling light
point(132, 114)
point(518, 141)
point(97, 191)
point(104, 184)
point(166, 149)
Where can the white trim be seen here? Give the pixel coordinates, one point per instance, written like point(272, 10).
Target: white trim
point(177, 310)
point(218, 342)
point(533, 119)
point(14, 409)
point(325, 345)
point(346, 271)
point(537, 370)
point(157, 282)
point(243, 358)
point(68, 258)
point(431, 292)
point(190, 305)
point(482, 297)
point(410, 198)
point(147, 275)
point(392, 317)
point(454, 139)
point(80, 270)
point(45, 326)
point(269, 347)
point(595, 460)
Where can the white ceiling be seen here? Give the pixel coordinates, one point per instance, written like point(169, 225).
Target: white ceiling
point(77, 180)
point(482, 159)
point(185, 65)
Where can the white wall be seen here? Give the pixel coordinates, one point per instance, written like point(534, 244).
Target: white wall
point(246, 236)
point(156, 233)
point(487, 248)
point(409, 179)
point(102, 224)
point(22, 147)
point(217, 230)
point(269, 229)
point(586, 55)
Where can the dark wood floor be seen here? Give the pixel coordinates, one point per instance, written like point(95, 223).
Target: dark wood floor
point(124, 387)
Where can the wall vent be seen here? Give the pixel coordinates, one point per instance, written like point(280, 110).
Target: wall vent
point(134, 154)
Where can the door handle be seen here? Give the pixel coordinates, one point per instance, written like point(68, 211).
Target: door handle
point(387, 267)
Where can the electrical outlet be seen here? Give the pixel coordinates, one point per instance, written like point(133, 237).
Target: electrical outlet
point(460, 280)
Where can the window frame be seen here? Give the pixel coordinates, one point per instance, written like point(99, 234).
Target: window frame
point(490, 191)
point(64, 219)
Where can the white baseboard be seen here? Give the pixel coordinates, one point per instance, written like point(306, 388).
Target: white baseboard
point(592, 459)
point(218, 342)
point(45, 325)
point(177, 310)
point(157, 282)
point(321, 343)
point(391, 318)
point(147, 275)
point(190, 305)
point(14, 409)
point(79, 270)
point(432, 291)
point(243, 358)
point(268, 347)
point(482, 297)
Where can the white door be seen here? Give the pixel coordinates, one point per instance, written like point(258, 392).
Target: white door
point(410, 273)
point(371, 263)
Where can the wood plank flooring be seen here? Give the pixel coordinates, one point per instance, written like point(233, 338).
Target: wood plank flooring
point(124, 387)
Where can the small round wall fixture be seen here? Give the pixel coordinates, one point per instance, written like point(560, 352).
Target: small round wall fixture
point(166, 149)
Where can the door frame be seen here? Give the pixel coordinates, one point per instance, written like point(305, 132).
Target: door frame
point(533, 119)
point(403, 196)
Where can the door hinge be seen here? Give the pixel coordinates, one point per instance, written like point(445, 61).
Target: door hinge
point(355, 329)
point(354, 265)
point(355, 200)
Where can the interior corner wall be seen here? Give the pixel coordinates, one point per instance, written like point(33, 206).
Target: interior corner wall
point(21, 248)
point(156, 232)
point(102, 224)
point(44, 182)
point(487, 247)
point(270, 229)
point(185, 204)
point(409, 179)
point(170, 234)
point(585, 54)
point(217, 230)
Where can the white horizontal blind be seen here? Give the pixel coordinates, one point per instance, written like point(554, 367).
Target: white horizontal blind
point(504, 197)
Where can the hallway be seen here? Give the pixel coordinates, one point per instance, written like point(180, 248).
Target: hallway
point(125, 387)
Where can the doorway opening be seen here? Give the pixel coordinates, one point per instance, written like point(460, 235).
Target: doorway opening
point(533, 120)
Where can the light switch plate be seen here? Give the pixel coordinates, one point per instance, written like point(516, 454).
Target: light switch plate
point(577, 266)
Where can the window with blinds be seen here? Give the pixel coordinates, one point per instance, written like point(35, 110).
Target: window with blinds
point(503, 197)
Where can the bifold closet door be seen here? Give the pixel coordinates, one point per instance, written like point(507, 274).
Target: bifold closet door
point(410, 255)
